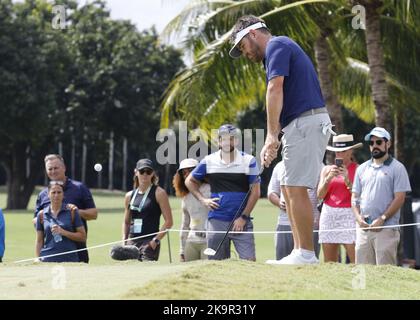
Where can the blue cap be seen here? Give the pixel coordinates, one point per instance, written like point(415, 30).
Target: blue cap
point(227, 129)
point(378, 132)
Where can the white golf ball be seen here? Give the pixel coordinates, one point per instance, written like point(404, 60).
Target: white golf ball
point(98, 167)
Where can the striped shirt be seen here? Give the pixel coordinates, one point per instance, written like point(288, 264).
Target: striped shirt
point(229, 182)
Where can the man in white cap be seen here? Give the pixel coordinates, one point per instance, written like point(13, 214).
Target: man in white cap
point(378, 193)
point(295, 106)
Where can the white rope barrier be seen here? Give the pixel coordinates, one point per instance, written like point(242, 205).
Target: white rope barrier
point(93, 247)
point(216, 231)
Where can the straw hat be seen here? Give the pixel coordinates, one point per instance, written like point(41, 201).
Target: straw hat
point(343, 142)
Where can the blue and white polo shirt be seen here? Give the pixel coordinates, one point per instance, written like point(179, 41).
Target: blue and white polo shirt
point(229, 182)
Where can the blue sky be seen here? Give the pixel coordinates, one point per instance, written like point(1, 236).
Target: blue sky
point(145, 13)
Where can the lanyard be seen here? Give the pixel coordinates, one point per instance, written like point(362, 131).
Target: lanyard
point(143, 200)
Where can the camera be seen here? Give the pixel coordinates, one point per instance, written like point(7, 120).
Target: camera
point(338, 162)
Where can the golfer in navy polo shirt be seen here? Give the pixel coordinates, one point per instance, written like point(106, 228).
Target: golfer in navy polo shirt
point(295, 106)
point(75, 194)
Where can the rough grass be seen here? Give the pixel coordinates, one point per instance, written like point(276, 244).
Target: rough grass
point(227, 280)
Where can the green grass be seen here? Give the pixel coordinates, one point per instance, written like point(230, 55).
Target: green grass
point(104, 278)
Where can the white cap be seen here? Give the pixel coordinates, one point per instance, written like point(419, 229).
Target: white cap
point(378, 132)
point(188, 163)
point(235, 52)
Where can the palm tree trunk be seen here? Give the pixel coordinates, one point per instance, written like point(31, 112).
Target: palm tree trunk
point(323, 59)
point(376, 64)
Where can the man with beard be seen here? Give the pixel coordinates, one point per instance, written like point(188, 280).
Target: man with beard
point(379, 189)
point(230, 174)
point(295, 109)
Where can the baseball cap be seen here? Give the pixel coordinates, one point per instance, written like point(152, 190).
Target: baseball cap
point(227, 129)
point(378, 132)
point(144, 163)
point(235, 52)
point(187, 163)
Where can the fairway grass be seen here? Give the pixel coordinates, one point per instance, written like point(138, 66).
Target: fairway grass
point(207, 280)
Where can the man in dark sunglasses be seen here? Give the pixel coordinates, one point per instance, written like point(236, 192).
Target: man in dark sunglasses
point(379, 189)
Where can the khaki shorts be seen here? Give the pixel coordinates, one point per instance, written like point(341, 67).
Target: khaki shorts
point(304, 145)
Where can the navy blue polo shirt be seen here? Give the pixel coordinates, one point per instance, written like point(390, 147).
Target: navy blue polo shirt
point(229, 182)
point(301, 89)
point(75, 192)
point(50, 246)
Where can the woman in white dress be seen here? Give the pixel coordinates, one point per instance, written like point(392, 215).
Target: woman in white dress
point(335, 190)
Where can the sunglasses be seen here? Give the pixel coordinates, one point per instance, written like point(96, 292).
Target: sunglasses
point(377, 142)
point(146, 171)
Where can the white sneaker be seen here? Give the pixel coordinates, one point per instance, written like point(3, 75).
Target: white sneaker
point(298, 258)
point(292, 254)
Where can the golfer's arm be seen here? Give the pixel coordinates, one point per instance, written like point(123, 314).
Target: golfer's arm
point(194, 186)
point(163, 201)
point(396, 204)
point(89, 214)
point(126, 221)
point(274, 103)
point(39, 242)
point(252, 200)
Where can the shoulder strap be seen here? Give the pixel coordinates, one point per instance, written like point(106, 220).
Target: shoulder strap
point(41, 216)
point(73, 213)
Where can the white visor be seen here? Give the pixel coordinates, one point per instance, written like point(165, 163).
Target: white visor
point(235, 52)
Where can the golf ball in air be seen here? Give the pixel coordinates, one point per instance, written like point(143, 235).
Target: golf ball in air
point(98, 167)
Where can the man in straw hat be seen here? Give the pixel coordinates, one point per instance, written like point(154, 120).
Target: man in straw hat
point(294, 104)
point(335, 190)
point(379, 190)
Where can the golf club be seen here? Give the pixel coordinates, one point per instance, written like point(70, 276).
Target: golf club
point(212, 252)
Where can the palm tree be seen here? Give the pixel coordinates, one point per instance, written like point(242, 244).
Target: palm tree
point(215, 88)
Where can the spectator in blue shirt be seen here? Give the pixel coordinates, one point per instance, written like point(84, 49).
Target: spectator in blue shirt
point(2, 235)
point(296, 108)
point(76, 194)
point(230, 174)
point(58, 228)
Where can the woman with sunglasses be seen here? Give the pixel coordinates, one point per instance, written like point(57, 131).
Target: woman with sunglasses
point(335, 190)
point(58, 227)
point(194, 214)
point(143, 207)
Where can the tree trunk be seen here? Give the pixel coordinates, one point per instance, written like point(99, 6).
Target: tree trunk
point(377, 66)
point(73, 156)
point(125, 156)
point(20, 186)
point(111, 162)
point(399, 136)
point(84, 156)
point(323, 60)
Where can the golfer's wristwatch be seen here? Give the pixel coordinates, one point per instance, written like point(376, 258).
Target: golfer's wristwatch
point(245, 217)
point(383, 217)
point(156, 240)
